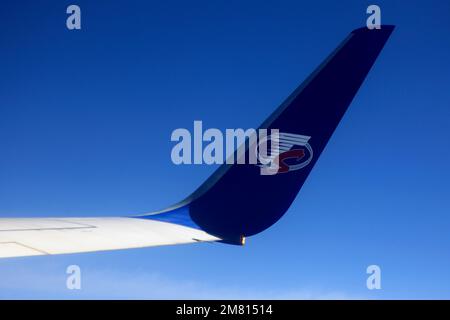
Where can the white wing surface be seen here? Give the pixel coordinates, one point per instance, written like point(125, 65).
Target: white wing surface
point(47, 236)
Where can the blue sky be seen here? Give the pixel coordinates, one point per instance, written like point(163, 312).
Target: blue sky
point(86, 118)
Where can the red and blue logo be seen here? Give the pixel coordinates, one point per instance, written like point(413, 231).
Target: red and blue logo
point(288, 152)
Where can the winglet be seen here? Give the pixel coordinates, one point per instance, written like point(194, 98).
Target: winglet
point(237, 201)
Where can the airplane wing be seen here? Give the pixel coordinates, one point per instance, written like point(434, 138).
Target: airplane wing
point(45, 236)
point(237, 201)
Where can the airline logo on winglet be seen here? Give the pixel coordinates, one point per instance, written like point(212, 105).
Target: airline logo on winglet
point(273, 151)
point(289, 152)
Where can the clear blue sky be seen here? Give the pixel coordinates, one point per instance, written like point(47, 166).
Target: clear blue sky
point(86, 118)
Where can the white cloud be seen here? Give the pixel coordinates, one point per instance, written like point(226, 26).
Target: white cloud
point(47, 282)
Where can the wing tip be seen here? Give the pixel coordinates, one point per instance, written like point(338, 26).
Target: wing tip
point(388, 28)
